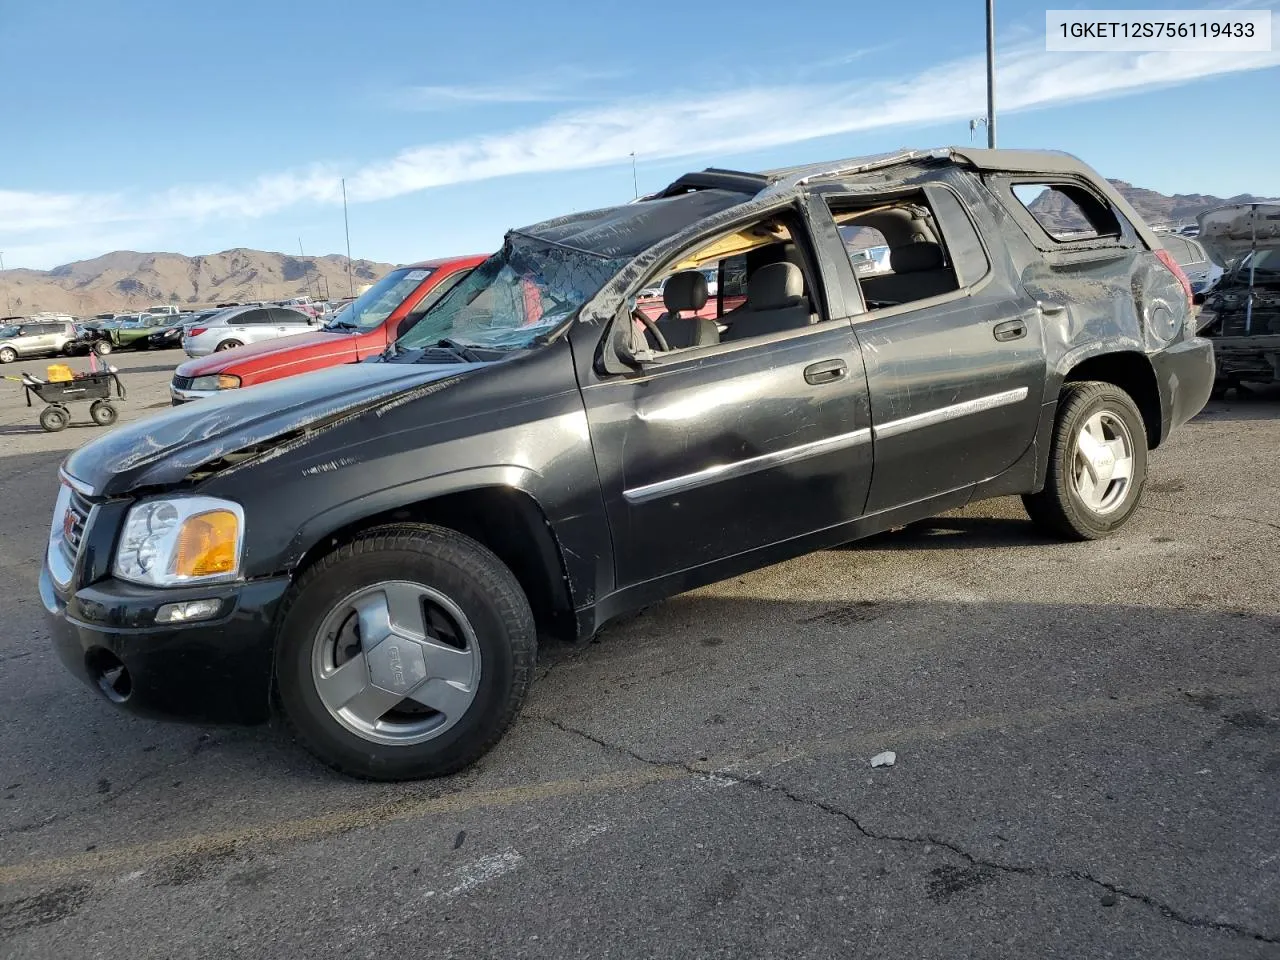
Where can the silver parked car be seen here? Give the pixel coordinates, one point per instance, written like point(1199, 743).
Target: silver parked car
point(34, 338)
point(237, 326)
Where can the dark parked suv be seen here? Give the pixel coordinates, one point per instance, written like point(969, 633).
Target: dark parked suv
point(375, 547)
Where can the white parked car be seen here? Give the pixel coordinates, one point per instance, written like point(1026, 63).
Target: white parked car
point(165, 310)
point(237, 326)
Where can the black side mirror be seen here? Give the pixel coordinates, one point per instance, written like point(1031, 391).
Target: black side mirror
point(626, 347)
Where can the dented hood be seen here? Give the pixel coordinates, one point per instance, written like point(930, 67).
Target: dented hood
point(1231, 232)
point(164, 449)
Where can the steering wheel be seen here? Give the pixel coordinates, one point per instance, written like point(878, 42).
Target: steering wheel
point(652, 328)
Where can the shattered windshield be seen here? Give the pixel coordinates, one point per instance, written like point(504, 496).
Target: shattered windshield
point(376, 304)
point(529, 288)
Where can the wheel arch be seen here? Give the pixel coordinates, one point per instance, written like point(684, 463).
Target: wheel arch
point(503, 517)
point(1132, 372)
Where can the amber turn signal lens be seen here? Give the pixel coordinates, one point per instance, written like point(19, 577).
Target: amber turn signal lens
point(228, 381)
point(207, 544)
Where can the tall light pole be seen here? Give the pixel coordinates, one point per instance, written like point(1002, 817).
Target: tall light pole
point(991, 74)
point(634, 182)
point(346, 226)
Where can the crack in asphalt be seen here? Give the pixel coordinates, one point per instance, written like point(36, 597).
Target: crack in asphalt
point(764, 786)
point(1214, 516)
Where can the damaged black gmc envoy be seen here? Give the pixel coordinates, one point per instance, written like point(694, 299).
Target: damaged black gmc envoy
point(373, 550)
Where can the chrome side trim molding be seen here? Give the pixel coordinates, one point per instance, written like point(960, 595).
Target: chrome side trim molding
point(933, 417)
point(79, 486)
point(741, 468)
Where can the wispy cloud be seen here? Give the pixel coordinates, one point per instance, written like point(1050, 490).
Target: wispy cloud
point(562, 84)
point(656, 128)
point(448, 97)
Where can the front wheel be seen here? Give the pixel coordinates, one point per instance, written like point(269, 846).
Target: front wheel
point(405, 653)
point(8, 354)
point(102, 347)
point(1097, 463)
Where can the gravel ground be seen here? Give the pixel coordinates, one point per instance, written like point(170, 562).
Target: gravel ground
point(1087, 739)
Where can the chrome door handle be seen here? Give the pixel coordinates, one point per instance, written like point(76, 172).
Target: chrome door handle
point(825, 371)
point(1009, 330)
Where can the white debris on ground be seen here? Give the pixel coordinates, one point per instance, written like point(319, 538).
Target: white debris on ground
point(886, 759)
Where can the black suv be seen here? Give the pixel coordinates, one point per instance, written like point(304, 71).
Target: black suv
point(375, 548)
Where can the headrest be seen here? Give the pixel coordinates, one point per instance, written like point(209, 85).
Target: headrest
point(774, 286)
point(916, 257)
point(686, 290)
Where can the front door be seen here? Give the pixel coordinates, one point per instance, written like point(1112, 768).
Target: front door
point(723, 450)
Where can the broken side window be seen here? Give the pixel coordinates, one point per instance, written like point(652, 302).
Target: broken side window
point(1066, 211)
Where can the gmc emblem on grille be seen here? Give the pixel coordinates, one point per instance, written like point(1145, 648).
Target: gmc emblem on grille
point(68, 523)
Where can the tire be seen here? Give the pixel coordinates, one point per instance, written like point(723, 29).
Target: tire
point(103, 413)
point(8, 355)
point(102, 347)
point(439, 575)
point(227, 345)
point(1074, 505)
point(54, 419)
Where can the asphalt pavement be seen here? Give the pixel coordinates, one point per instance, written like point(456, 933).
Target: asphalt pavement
point(1087, 740)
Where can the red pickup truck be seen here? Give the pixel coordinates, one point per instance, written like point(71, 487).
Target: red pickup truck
point(361, 329)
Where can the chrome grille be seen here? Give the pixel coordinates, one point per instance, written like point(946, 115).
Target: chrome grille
point(74, 522)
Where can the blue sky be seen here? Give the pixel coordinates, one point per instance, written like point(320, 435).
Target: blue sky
point(196, 127)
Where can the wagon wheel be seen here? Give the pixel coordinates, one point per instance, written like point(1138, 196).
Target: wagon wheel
point(54, 418)
point(103, 413)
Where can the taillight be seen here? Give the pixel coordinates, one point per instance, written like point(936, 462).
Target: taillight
point(196, 331)
point(1167, 259)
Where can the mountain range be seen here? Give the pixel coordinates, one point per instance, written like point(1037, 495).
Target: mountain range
point(1158, 210)
point(124, 281)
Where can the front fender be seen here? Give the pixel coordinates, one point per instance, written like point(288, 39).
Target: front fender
point(357, 509)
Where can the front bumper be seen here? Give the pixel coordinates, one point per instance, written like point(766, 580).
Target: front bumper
point(178, 397)
point(1184, 375)
point(216, 670)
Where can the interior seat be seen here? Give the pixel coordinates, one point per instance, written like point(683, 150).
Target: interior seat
point(919, 271)
point(685, 291)
point(776, 302)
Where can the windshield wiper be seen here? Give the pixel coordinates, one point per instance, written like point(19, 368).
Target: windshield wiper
point(461, 350)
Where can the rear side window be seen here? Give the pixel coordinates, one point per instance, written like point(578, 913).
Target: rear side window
point(250, 318)
point(1067, 211)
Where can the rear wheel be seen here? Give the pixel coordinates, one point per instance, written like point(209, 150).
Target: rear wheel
point(8, 354)
point(406, 653)
point(1097, 464)
point(53, 419)
point(103, 413)
point(102, 347)
point(227, 345)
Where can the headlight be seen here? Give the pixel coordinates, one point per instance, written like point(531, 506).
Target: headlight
point(181, 540)
point(220, 381)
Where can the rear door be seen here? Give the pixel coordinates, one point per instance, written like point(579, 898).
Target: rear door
point(955, 379)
